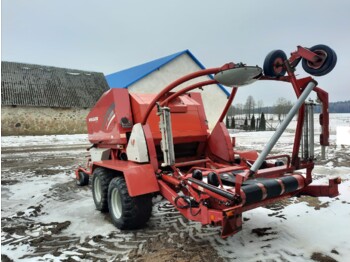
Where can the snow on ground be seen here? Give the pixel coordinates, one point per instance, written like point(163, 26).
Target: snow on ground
point(301, 229)
point(46, 217)
point(49, 140)
point(298, 231)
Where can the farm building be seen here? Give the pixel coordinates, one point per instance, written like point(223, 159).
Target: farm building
point(153, 76)
point(42, 100)
point(38, 100)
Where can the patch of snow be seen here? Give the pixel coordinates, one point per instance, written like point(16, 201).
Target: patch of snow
point(16, 253)
point(57, 168)
point(303, 232)
point(85, 219)
point(343, 135)
point(49, 140)
point(29, 191)
point(329, 164)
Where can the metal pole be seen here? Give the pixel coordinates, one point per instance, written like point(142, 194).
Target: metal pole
point(273, 140)
point(301, 151)
point(323, 153)
point(305, 154)
point(311, 131)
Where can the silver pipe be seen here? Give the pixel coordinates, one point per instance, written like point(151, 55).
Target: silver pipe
point(273, 140)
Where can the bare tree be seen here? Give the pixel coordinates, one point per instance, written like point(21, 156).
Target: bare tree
point(282, 107)
point(259, 106)
point(249, 106)
point(238, 109)
point(231, 111)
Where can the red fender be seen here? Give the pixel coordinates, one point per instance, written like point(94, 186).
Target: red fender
point(140, 178)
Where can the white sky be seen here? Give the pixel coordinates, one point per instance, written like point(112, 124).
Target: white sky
point(108, 36)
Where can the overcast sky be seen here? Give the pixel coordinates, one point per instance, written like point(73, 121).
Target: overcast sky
point(108, 36)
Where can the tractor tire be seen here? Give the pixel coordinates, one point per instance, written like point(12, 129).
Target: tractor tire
point(328, 64)
point(127, 212)
point(273, 64)
point(100, 181)
point(83, 179)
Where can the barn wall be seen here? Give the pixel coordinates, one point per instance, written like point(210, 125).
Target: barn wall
point(42, 120)
point(213, 97)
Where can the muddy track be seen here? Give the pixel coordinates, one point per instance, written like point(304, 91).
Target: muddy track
point(167, 237)
point(167, 230)
point(47, 217)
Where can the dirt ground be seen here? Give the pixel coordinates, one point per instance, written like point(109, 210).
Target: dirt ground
point(45, 216)
point(162, 240)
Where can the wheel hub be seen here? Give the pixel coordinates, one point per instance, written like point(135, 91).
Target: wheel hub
point(116, 203)
point(278, 66)
point(319, 63)
point(97, 189)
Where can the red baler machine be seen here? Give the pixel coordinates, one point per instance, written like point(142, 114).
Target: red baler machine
point(147, 144)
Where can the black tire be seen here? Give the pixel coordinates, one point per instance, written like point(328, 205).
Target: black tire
point(83, 179)
point(273, 63)
point(127, 212)
point(100, 182)
point(324, 68)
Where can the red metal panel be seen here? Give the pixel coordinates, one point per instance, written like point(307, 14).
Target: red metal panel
point(140, 179)
point(231, 225)
point(198, 98)
point(219, 143)
point(151, 147)
point(330, 190)
point(307, 54)
point(248, 155)
point(324, 116)
point(188, 118)
point(104, 120)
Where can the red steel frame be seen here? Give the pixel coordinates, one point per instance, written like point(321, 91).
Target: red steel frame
point(219, 205)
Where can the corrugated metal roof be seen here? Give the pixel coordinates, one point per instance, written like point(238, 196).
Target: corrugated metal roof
point(127, 77)
point(37, 85)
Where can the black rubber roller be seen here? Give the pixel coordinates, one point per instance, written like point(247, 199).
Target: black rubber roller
point(213, 179)
point(254, 191)
point(197, 174)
